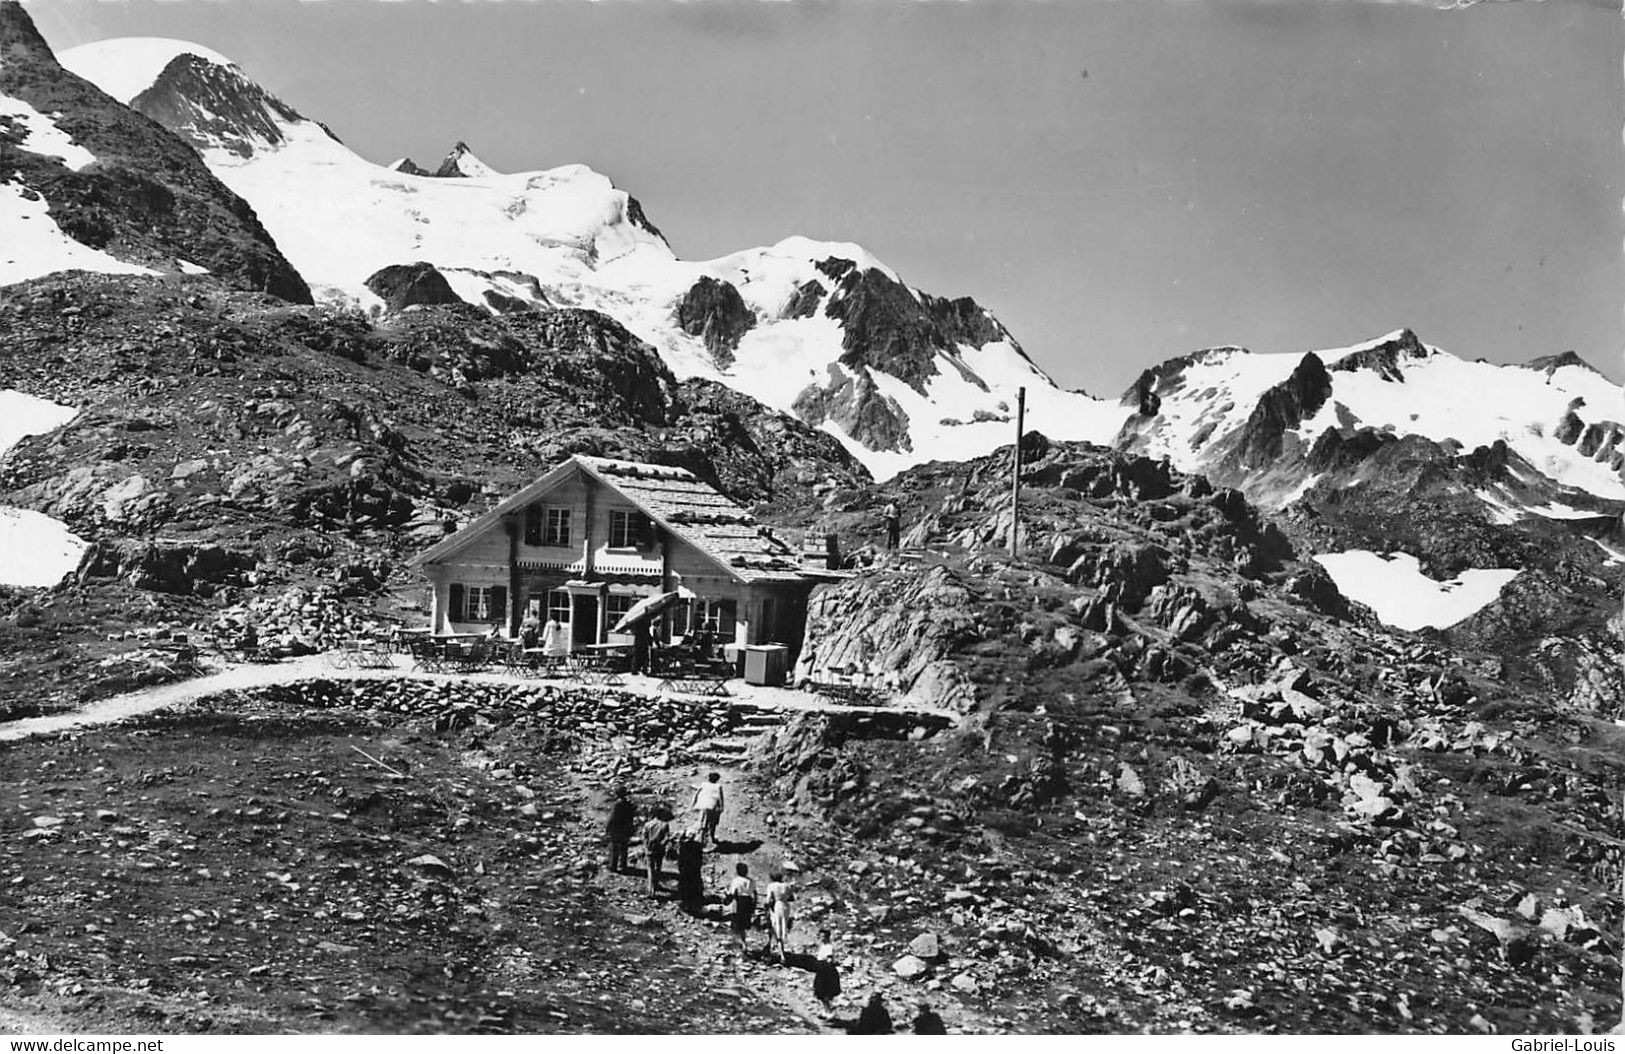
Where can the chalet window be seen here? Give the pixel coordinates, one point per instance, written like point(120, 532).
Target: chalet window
point(628, 530)
point(718, 616)
point(533, 525)
point(558, 606)
point(557, 529)
point(616, 605)
point(479, 603)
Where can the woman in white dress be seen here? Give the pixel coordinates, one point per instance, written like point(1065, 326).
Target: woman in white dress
point(555, 645)
point(780, 897)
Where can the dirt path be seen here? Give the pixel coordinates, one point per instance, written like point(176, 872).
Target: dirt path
point(745, 822)
point(313, 667)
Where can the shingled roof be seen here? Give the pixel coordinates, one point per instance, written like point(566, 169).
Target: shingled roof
point(673, 497)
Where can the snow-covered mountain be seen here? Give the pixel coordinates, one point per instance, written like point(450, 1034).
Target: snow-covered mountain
point(87, 185)
point(820, 329)
point(1393, 458)
point(1279, 424)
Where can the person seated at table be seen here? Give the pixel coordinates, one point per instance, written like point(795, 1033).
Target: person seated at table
point(530, 633)
point(555, 645)
point(704, 641)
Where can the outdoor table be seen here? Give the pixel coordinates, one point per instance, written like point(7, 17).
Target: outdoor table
point(538, 662)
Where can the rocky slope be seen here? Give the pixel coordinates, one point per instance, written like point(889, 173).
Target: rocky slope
point(1465, 468)
point(87, 183)
point(229, 443)
point(1197, 787)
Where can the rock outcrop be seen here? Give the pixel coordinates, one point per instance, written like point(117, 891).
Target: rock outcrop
point(714, 311)
point(401, 286)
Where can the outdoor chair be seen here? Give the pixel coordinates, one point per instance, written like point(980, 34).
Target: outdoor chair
point(696, 677)
point(427, 655)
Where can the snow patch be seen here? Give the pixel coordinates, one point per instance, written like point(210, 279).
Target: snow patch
point(1554, 510)
point(41, 135)
point(23, 415)
point(1401, 595)
point(36, 550)
point(1614, 555)
point(34, 245)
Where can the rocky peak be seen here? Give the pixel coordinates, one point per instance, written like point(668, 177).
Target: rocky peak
point(1548, 364)
point(1385, 356)
point(409, 167)
point(461, 163)
point(1283, 407)
point(215, 107)
point(19, 39)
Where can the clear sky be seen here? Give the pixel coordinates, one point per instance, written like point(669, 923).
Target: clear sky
point(1119, 182)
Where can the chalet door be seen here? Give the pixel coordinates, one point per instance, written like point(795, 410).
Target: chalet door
point(584, 620)
point(770, 631)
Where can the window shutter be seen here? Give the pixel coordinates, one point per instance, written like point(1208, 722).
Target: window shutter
point(727, 613)
point(499, 604)
point(533, 525)
point(646, 531)
point(456, 604)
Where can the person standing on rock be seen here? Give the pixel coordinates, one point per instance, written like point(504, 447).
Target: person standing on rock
point(656, 833)
point(893, 524)
point(741, 902)
point(622, 822)
point(780, 914)
point(708, 802)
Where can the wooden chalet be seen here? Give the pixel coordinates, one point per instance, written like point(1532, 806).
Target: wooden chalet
point(594, 535)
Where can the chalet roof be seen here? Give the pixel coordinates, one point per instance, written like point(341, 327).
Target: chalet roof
point(673, 497)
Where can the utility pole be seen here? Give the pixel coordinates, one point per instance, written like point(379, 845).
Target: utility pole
point(1015, 474)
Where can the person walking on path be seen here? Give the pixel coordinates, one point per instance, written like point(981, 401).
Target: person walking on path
point(622, 822)
point(826, 975)
point(892, 523)
point(690, 881)
point(780, 915)
point(741, 902)
point(708, 802)
point(656, 833)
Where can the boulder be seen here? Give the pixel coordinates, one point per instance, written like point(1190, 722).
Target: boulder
point(401, 286)
point(911, 967)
